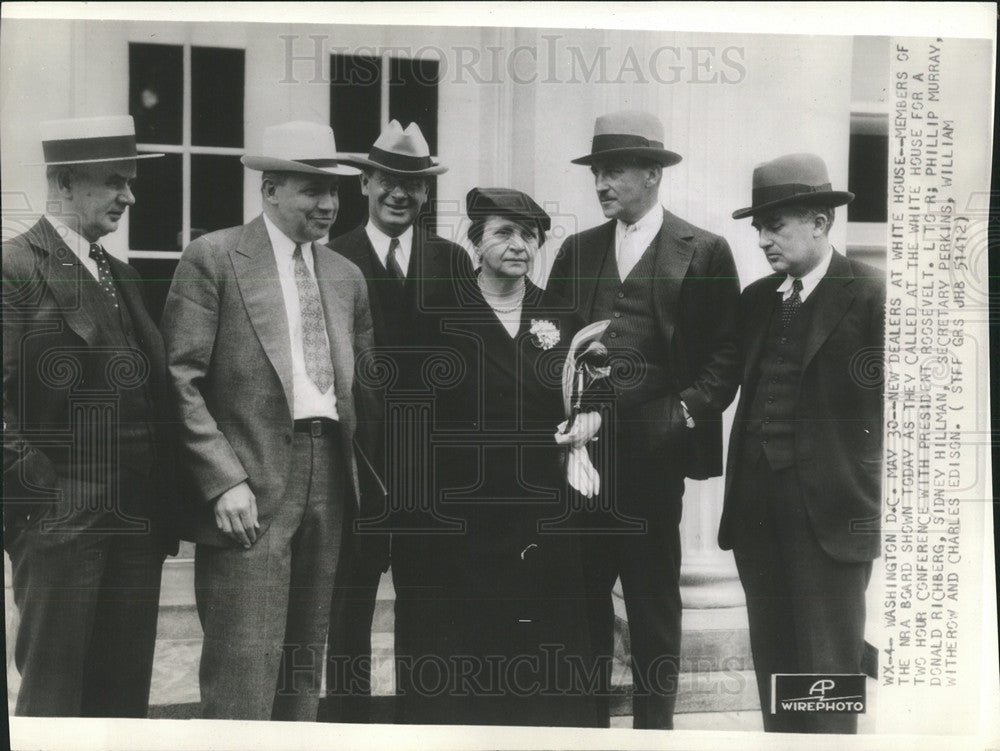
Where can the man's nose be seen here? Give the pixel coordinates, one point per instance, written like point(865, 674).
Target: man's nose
point(329, 201)
point(127, 196)
point(764, 240)
point(398, 193)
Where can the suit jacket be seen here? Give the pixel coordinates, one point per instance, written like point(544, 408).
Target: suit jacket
point(838, 412)
point(60, 342)
point(230, 366)
point(696, 291)
point(435, 263)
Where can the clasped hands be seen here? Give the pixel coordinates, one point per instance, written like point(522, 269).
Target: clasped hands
point(580, 471)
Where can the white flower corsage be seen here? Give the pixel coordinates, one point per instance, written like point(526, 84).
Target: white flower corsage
point(544, 333)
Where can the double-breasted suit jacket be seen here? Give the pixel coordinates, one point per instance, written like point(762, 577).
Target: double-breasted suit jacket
point(231, 367)
point(838, 409)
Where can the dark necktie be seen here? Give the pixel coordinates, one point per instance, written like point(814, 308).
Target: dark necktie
point(392, 262)
point(315, 347)
point(791, 305)
point(104, 275)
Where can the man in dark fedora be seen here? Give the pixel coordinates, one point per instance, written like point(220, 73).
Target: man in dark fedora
point(670, 291)
point(405, 266)
point(803, 475)
point(87, 454)
point(263, 325)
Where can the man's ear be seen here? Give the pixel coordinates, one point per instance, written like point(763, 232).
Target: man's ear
point(821, 224)
point(65, 178)
point(655, 173)
point(267, 190)
point(364, 177)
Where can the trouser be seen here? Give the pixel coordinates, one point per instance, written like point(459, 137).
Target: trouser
point(806, 609)
point(265, 610)
point(88, 606)
point(648, 564)
point(349, 645)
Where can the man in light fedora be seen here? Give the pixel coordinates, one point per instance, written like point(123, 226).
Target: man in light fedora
point(803, 475)
point(87, 454)
point(262, 326)
point(408, 270)
point(670, 291)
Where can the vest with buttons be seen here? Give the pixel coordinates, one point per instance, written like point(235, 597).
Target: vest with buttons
point(634, 332)
point(772, 411)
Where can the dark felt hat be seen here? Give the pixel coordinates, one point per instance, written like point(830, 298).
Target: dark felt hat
point(792, 179)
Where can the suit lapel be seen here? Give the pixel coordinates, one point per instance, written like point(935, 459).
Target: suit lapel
point(69, 282)
point(257, 276)
point(339, 315)
point(591, 261)
point(357, 248)
point(673, 256)
point(759, 320)
point(830, 301)
point(131, 297)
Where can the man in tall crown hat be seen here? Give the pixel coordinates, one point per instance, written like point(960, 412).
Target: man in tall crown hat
point(87, 456)
point(670, 291)
point(409, 270)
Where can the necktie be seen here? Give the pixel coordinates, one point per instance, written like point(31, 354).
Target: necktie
point(628, 255)
point(315, 347)
point(790, 306)
point(104, 272)
point(392, 262)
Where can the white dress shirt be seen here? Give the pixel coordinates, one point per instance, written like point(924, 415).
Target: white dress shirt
point(809, 281)
point(631, 240)
point(309, 402)
point(380, 242)
point(77, 243)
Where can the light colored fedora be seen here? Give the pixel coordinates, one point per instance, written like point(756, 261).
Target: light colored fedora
point(792, 179)
point(628, 133)
point(299, 146)
point(86, 140)
point(401, 152)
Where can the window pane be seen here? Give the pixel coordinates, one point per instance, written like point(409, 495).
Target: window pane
point(155, 221)
point(413, 95)
point(155, 91)
point(216, 192)
point(353, 209)
point(355, 101)
point(156, 273)
point(868, 178)
point(217, 82)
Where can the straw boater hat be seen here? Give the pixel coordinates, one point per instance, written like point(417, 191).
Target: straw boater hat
point(792, 179)
point(299, 146)
point(484, 202)
point(628, 133)
point(401, 152)
point(87, 140)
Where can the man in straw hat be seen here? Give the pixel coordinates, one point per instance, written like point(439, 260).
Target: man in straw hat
point(803, 474)
point(262, 326)
point(406, 268)
point(670, 291)
point(87, 458)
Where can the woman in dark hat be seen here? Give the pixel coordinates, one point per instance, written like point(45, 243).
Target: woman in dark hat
point(496, 632)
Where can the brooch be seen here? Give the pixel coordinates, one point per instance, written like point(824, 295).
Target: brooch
point(544, 334)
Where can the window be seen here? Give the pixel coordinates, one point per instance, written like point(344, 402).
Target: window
point(365, 93)
point(187, 102)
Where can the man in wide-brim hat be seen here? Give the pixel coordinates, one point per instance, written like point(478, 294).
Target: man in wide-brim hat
point(670, 291)
point(803, 474)
point(87, 522)
point(409, 270)
point(263, 324)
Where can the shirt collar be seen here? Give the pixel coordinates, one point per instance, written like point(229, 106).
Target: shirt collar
point(380, 242)
point(73, 239)
point(650, 222)
point(809, 280)
point(284, 246)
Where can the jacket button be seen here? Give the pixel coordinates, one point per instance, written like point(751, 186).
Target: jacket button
point(621, 295)
point(617, 314)
point(614, 334)
point(784, 340)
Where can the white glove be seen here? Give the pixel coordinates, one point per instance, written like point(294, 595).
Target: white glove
point(581, 473)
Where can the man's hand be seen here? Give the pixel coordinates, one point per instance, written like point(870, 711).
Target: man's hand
point(584, 429)
point(236, 514)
